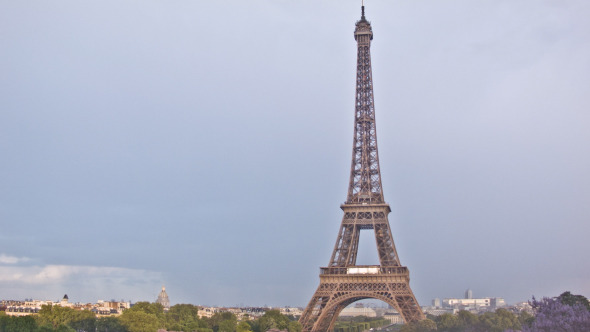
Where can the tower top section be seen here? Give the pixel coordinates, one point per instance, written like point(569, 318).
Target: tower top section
point(363, 32)
point(365, 176)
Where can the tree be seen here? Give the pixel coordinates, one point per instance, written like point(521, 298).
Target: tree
point(64, 318)
point(525, 318)
point(227, 325)
point(571, 300)
point(17, 324)
point(183, 317)
point(555, 316)
point(223, 321)
point(294, 326)
point(54, 315)
point(64, 328)
point(448, 323)
point(183, 312)
point(83, 320)
point(149, 308)
point(273, 319)
point(467, 318)
point(139, 321)
point(424, 325)
point(109, 324)
point(243, 327)
point(498, 321)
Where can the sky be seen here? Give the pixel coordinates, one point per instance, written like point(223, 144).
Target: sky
point(206, 146)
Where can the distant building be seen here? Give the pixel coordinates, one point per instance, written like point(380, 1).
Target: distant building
point(207, 312)
point(296, 312)
point(105, 308)
point(438, 311)
point(29, 307)
point(486, 302)
point(163, 299)
point(497, 302)
point(436, 302)
point(468, 294)
point(450, 303)
point(358, 311)
point(524, 306)
point(244, 312)
point(394, 318)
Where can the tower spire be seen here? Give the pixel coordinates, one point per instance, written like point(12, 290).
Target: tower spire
point(365, 175)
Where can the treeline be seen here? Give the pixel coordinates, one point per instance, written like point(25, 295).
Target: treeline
point(143, 317)
point(465, 321)
point(359, 324)
point(567, 312)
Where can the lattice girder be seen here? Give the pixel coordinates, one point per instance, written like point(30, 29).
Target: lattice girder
point(338, 291)
point(356, 218)
point(343, 282)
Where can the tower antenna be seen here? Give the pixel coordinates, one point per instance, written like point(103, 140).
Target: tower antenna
point(362, 9)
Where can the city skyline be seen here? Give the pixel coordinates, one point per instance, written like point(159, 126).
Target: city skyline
point(206, 147)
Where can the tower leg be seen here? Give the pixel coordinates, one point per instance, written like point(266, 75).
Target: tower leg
point(336, 292)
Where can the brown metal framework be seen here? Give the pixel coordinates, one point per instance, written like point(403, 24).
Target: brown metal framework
point(343, 282)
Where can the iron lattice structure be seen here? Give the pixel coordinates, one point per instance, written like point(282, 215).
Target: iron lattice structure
point(343, 282)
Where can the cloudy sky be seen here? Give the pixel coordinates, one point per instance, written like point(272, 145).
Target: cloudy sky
point(205, 146)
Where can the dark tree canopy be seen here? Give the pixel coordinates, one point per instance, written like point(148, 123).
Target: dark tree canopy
point(571, 300)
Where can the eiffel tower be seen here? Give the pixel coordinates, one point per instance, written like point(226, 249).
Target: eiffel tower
point(343, 282)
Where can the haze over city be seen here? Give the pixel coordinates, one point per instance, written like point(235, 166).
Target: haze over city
point(206, 146)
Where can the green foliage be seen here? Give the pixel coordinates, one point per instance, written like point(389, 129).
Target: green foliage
point(571, 300)
point(83, 320)
point(45, 328)
point(17, 324)
point(183, 317)
point(223, 322)
point(424, 325)
point(148, 308)
point(227, 326)
point(498, 321)
point(143, 317)
point(525, 319)
point(358, 323)
point(64, 328)
point(54, 315)
point(65, 319)
point(183, 312)
point(467, 318)
point(140, 321)
point(109, 324)
point(273, 319)
point(243, 327)
point(294, 326)
point(449, 322)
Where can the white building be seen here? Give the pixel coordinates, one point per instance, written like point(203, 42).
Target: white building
point(486, 302)
point(358, 311)
point(394, 318)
